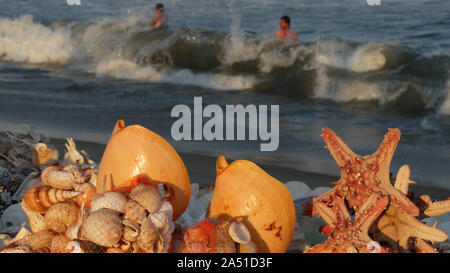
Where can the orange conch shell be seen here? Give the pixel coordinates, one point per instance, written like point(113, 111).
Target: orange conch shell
point(40, 199)
point(263, 203)
point(135, 150)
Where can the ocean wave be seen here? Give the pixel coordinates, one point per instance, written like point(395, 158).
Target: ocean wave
point(393, 76)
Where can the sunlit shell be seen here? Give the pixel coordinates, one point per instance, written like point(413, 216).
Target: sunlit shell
point(131, 230)
point(61, 216)
point(91, 174)
point(148, 237)
point(134, 211)
point(17, 249)
point(109, 200)
point(103, 227)
point(74, 247)
point(57, 178)
point(247, 248)
point(88, 191)
point(72, 232)
point(77, 173)
point(59, 244)
point(114, 250)
point(147, 196)
point(35, 219)
point(239, 233)
point(40, 199)
point(43, 155)
point(38, 240)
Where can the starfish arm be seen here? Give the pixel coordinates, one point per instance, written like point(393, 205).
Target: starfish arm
point(424, 247)
point(342, 208)
point(326, 213)
point(366, 218)
point(437, 208)
point(383, 156)
point(402, 180)
point(337, 147)
point(401, 200)
point(421, 230)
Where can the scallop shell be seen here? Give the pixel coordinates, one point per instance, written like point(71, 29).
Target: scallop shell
point(103, 227)
point(59, 244)
point(61, 216)
point(239, 233)
point(109, 200)
point(148, 237)
point(35, 219)
point(131, 230)
point(88, 191)
point(77, 173)
point(147, 196)
point(135, 212)
point(40, 199)
point(57, 178)
point(38, 240)
point(247, 248)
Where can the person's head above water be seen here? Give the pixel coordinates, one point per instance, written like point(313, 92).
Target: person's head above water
point(285, 22)
point(159, 7)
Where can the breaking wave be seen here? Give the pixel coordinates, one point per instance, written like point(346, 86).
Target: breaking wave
point(387, 75)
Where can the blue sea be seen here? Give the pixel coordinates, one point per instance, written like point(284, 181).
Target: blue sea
point(73, 70)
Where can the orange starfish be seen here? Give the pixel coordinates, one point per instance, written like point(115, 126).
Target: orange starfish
point(362, 176)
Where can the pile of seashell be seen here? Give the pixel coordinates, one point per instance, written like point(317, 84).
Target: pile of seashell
point(67, 216)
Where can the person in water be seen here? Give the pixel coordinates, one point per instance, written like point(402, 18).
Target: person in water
point(160, 18)
point(285, 33)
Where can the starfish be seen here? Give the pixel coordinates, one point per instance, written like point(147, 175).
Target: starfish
point(402, 230)
point(343, 235)
point(361, 176)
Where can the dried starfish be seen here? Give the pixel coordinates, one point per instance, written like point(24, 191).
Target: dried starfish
point(343, 235)
point(361, 176)
point(401, 230)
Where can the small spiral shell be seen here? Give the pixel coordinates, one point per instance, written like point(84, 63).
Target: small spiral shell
point(131, 230)
point(148, 237)
point(40, 199)
point(147, 196)
point(87, 190)
point(58, 178)
point(61, 216)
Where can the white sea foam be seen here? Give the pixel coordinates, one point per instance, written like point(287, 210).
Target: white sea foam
point(23, 40)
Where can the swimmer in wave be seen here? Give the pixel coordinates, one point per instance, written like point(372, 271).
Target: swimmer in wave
point(285, 34)
point(160, 17)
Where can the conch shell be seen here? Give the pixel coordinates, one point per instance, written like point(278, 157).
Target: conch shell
point(147, 196)
point(40, 199)
point(135, 150)
point(242, 189)
point(61, 216)
point(103, 227)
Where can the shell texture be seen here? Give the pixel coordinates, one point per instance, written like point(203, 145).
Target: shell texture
point(147, 196)
point(131, 230)
point(35, 219)
point(135, 212)
point(61, 216)
point(40, 199)
point(58, 179)
point(103, 227)
point(109, 200)
point(239, 233)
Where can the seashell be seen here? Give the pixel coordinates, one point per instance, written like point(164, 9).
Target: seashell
point(17, 249)
point(114, 250)
point(223, 241)
point(12, 219)
point(77, 173)
point(60, 216)
point(72, 232)
point(244, 189)
point(88, 191)
point(247, 248)
point(35, 219)
point(91, 176)
point(103, 227)
point(40, 199)
point(72, 156)
point(146, 196)
point(135, 212)
point(26, 185)
point(59, 244)
point(44, 155)
point(109, 200)
point(135, 150)
point(239, 233)
point(58, 179)
point(74, 247)
point(148, 237)
point(90, 247)
point(131, 230)
point(38, 240)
